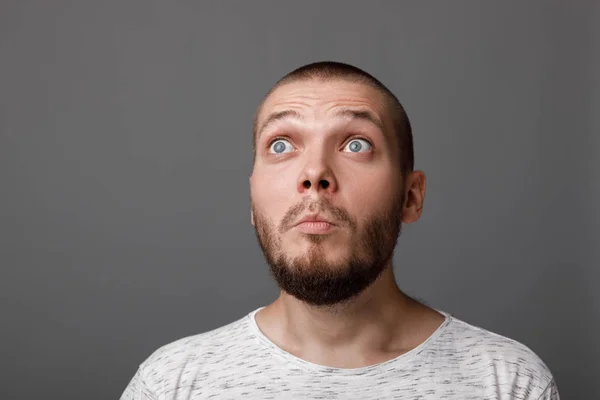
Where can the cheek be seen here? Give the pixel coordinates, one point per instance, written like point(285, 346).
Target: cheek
point(370, 191)
point(273, 193)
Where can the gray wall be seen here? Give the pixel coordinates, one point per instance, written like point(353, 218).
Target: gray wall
point(125, 155)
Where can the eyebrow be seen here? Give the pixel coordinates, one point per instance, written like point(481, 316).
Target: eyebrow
point(278, 116)
point(349, 113)
point(364, 115)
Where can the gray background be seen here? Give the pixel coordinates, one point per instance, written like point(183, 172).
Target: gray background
point(125, 151)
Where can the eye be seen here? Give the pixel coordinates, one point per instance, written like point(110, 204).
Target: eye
point(357, 146)
point(280, 146)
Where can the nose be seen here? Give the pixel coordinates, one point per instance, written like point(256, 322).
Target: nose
point(317, 176)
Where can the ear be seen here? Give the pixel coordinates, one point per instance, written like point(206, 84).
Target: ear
point(251, 213)
point(415, 196)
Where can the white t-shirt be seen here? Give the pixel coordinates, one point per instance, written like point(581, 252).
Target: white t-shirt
point(237, 361)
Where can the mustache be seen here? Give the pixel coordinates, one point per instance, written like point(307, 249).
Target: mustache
point(321, 205)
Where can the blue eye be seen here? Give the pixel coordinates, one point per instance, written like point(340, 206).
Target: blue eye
point(357, 146)
point(280, 146)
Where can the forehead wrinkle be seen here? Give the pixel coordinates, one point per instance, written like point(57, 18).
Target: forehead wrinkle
point(283, 106)
point(309, 102)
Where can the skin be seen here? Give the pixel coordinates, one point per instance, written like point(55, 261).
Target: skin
point(378, 322)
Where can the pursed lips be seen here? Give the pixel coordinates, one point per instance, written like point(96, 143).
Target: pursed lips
point(314, 218)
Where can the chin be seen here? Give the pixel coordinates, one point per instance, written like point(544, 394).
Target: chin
point(331, 258)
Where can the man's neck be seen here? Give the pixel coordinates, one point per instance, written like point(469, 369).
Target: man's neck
point(382, 322)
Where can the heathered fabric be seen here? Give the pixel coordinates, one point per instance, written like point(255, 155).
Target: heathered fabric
point(237, 361)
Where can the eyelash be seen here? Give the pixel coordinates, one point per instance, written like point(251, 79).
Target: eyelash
point(351, 138)
point(354, 137)
point(276, 138)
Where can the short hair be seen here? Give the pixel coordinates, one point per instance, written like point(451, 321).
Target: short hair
point(332, 70)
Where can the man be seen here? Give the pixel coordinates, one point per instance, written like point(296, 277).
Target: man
point(332, 183)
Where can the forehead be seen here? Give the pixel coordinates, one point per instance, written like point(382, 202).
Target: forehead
point(321, 96)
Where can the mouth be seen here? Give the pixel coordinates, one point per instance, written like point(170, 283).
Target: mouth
point(315, 225)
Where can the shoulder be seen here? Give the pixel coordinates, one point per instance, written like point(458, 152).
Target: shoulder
point(482, 354)
point(204, 348)
point(478, 343)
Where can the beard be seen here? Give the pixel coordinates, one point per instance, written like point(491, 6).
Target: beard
point(314, 279)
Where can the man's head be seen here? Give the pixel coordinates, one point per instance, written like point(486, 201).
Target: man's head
point(332, 148)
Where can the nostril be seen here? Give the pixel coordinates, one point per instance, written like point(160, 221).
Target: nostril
point(306, 184)
point(324, 184)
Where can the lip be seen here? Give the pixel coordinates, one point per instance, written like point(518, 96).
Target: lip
point(313, 218)
point(315, 225)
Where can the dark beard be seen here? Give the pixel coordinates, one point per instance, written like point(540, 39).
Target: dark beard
point(316, 281)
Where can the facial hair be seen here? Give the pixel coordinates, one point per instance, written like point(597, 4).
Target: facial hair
point(312, 278)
